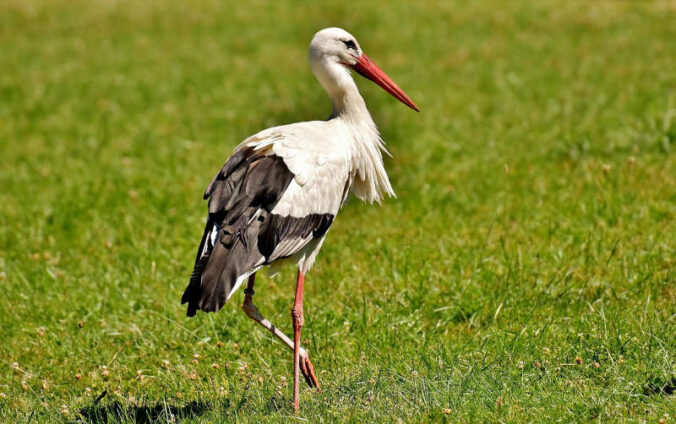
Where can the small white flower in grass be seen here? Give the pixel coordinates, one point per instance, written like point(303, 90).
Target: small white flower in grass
point(64, 410)
point(520, 365)
point(166, 364)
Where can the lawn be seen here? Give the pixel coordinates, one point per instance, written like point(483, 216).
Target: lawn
point(526, 271)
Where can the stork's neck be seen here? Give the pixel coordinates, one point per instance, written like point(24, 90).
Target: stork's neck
point(342, 90)
point(348, 102)
point(370, 178)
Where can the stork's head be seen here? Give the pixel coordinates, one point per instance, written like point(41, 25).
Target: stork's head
point(333, 50)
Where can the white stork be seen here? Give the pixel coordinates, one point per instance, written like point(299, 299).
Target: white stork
point(277, 195)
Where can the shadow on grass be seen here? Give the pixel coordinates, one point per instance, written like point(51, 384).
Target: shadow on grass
point(115, 412)
point(657, 386)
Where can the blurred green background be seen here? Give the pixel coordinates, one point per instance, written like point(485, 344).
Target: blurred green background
point(525, 272)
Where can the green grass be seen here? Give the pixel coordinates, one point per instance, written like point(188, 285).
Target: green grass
point(526, 272)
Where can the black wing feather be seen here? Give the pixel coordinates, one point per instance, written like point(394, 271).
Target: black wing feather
point(249, 184)
point(241, 198)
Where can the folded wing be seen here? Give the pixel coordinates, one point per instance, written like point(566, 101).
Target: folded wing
point(259, 213)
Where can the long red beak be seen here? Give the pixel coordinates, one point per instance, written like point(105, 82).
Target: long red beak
point(367, 68)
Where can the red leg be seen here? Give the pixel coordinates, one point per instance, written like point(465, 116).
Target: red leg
point(298, 321)
point(250, 285)
point(252, 311)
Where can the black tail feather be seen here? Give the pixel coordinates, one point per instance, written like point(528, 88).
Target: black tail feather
point(191, 294)
point(217, 267)
point(247, 187)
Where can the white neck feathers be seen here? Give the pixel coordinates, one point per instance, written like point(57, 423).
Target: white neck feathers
point(371, 182)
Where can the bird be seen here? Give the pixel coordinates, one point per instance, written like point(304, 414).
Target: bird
point(278, 194)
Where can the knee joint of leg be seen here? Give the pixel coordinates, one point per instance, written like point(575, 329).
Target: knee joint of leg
point(250, 309)
point(297, 315)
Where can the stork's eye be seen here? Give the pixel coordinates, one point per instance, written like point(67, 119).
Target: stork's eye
point(349, 44)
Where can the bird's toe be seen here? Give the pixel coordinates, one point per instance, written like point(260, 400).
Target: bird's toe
point(308, 370)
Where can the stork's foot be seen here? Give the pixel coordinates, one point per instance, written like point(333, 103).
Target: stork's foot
point(308, 370)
